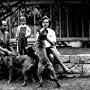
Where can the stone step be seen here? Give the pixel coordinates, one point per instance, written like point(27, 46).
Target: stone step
point(76, 58)
point(80, 62)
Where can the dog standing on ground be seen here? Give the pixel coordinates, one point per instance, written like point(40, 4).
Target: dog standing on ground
point(44, 61)
point(27, 63)
point(22, 63)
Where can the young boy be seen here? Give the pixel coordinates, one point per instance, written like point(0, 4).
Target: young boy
point(23, 32)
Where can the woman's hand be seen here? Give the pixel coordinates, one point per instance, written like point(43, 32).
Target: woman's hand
point(52, 43)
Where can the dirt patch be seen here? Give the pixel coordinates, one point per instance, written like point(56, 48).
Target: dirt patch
point(66, 84)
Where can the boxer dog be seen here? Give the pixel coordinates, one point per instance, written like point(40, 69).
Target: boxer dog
point(44, 62)
point(22, 63)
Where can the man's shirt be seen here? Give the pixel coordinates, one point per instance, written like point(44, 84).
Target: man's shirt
point(5, 39)
point(51, 36)
point(1, 36)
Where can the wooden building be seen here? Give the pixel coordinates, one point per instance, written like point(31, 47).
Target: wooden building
point(69, 18)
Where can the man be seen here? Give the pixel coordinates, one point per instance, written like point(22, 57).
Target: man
point(50, 42)
point(23, 32)
point(5, 46)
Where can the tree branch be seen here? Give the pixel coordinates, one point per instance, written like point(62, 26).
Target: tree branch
point(9, 11)
point(3, 6)
point(9, 14)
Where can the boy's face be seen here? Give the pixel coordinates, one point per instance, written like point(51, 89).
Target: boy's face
point(23, 22)
point(45, 23)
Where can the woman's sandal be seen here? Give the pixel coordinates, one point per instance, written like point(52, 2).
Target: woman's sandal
point(72, 72)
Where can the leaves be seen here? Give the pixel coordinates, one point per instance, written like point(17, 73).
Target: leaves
point(6, 9)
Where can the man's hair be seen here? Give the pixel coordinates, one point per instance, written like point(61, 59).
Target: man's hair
point(4, 22)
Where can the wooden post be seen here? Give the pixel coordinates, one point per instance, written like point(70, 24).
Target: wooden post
point(51, 14)
point(67, 23)
point(60, 18)
point(18, 17)
point(89, 28)
point(10, 27)
point(34, 13)
point(82, 27)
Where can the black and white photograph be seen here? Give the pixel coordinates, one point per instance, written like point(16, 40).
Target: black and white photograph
point(44, 45)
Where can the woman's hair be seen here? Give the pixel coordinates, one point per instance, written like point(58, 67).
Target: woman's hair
point(43, 18)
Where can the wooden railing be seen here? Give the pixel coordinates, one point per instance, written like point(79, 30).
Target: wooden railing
point(74, 39)
point(31, 41)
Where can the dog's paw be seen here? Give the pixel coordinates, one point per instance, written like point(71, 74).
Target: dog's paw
point(38, 86)
point(58, 86)
point(9, 81)
point(24, 84)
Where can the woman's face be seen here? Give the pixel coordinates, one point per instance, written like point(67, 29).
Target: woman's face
point(45, 23)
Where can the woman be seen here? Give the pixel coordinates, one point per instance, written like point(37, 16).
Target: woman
point(50, 41)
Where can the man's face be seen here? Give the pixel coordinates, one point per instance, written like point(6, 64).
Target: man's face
point(4, 27)
point(45, 23)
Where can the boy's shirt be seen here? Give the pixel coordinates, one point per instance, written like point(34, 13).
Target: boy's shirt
point(27, 33)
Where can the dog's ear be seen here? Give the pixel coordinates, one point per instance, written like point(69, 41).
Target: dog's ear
point(27, 47)
point(46, 30)
point(30, 49)
point(39, 31)
point(44, 34)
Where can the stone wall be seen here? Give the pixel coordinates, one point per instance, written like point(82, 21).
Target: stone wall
point(80, 62)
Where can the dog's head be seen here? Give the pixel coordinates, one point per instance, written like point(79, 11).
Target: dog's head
point(43, 34)
point(30, 50)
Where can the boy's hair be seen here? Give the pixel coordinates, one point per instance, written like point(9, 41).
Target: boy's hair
point(22, 18)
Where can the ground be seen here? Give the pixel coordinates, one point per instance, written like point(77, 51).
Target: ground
point(67, 83)
point(73, 51)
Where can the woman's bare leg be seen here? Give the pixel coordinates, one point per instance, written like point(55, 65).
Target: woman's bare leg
point(57, 56)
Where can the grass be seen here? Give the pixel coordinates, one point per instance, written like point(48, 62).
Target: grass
point(73, 51)
point(67, 83)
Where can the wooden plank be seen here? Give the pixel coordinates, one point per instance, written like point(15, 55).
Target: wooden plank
point(72, 2)
point(40, 2)
point(32, 40)
point(74, 39)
